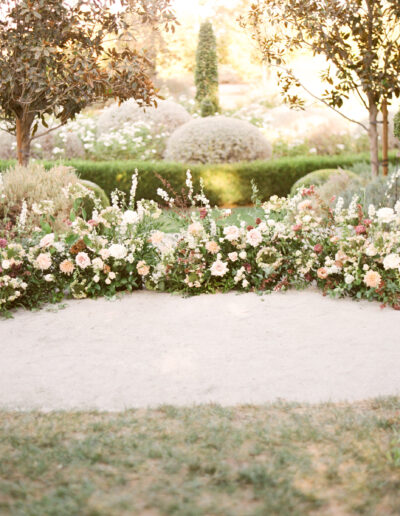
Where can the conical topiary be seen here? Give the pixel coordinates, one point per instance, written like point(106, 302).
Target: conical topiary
point(206, 72)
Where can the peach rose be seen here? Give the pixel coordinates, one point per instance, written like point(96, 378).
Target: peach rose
point(67, 267)
point(157, 237)
point(341, 256)
point(142, 268)
point(212, 247)
point(195, 228)
point(372, 279)
point(322, 273)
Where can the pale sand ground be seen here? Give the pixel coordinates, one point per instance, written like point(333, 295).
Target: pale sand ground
point(149, 349)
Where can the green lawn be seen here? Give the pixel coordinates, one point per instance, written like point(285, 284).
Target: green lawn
point(170, 223)
point(274, 460)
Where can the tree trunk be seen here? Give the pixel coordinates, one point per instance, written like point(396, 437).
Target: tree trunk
point(23, 132)
point(373, 138)
point(385, 139)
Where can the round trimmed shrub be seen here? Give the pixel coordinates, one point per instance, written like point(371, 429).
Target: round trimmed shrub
point(217, 139)
point(320, 177)
point(167, 116)
point(99, 193)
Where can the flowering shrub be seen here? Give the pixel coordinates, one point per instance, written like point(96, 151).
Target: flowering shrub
point(298, 241)
point(126, 140)
point(124, 132)
point(167, 116)
point(110, 252)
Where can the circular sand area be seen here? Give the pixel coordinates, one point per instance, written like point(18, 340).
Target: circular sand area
point(148, 349)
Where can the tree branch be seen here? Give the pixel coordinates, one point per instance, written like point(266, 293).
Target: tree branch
point(290, 74)
point(47, 132)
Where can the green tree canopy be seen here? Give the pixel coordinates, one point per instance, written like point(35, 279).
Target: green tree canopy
point(360, 39)
point(58, 56)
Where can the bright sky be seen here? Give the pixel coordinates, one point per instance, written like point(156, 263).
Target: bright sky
point(203, 8)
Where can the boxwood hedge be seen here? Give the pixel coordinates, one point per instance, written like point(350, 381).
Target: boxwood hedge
point(225, 184)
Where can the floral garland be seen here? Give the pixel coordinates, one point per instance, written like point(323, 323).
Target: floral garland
point(297, 242)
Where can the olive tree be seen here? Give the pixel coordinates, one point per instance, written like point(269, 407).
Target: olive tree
point(59, 56)
point(360, 39)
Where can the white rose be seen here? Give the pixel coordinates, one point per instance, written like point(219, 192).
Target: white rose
point(96, 278)
point(242, 255)
point(98, 263)
point(231, 233)
point(348, 279)
point(129, 217)
point(233, 256)
point(219, 268)
point(47, 240)
point(118, 251)
point(254, 237)
point(104, 253)
point(371, 250)
point(82, 260)
point(5, 264)
point(391, 261)
point(385, 214)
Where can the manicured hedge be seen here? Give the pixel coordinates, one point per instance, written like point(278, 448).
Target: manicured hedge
point(226, 184)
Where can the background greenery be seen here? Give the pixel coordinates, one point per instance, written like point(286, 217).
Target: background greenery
point(225, 184)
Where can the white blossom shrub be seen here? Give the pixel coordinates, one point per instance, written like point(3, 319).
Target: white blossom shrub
point(217, 139)
point(167, 116)
point(7, 145)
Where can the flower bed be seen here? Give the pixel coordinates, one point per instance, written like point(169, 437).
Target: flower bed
point(298, 241)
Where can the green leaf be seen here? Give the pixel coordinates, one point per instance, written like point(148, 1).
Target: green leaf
point(87, 240)
point(45, 227)
point(71, 239)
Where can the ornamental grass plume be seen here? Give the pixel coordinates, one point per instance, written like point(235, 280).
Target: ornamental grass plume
point(34, 184)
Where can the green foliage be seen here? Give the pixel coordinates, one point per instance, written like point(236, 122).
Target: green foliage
point(225, 184)
point(206, 72)
point(361, 58)
point(88, 204)
point(396, 121)
point(58, 67)
point(319, 177)
point(347, 35)
point(207, 107)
